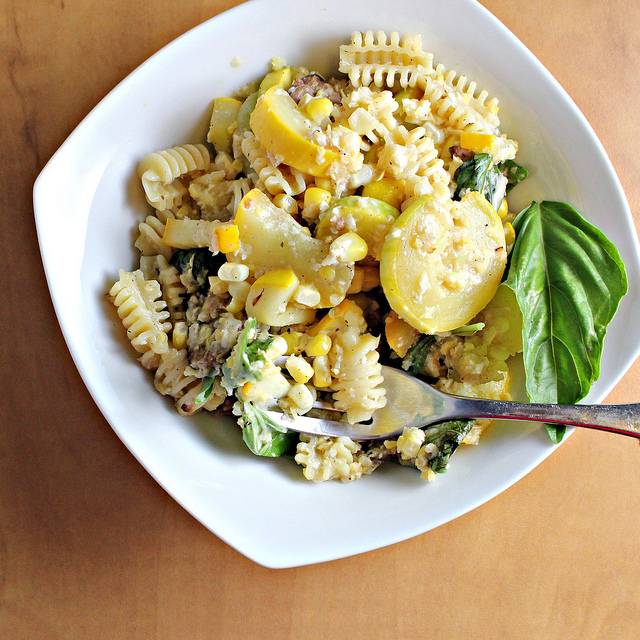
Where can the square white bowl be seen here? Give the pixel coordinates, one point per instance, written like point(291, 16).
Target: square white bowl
point(88, 203)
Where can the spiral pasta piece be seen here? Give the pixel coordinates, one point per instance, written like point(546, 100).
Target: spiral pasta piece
point(358, 377)
point(142, 313)
point(171, 378)
point(150, 232)
point(267, 176)
point(160, 173)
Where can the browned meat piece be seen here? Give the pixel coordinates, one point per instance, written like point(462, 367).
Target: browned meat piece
point(315, 86)
point(462, 153)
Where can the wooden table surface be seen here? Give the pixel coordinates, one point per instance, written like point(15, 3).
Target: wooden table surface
point(92, 547)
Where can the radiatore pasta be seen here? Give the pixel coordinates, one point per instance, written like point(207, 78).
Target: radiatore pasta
point(270, 274)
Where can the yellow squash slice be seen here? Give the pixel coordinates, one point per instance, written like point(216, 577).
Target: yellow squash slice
point(443, 261)
point(285, 132)
point(270, 238)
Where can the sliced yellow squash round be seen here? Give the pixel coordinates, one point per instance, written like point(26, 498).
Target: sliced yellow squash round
point(443, 261)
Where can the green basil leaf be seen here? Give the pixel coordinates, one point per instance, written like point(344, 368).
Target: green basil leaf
point(556, 432)
point(568, 279)
point(515, 173)
point(415, 358)
point(205, 389)
point(480, 174)
point(446, 436)
point(199, 263)
point(262, 435)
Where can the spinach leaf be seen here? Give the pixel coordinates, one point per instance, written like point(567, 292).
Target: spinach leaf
point(568, 279)
point(515, 173)
point(200, 263)
point(414, 360)
point(480, 174)
point(446, 436)
point(262, 435)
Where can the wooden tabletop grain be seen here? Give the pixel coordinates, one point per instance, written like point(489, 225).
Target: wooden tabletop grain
point(92, 547)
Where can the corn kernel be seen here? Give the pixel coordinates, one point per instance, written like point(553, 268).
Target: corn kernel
point(295, 341)
point(327, 272)
point(284, 278)
point(217, 285)
point(324, 183)
point(277, 348)
point(286, 203)
point(179, 335)
point(315, 195)
point(316, 201)
point(239, 292)
point(347, 312)
point(228, 238)
point(300, 370)
point(509, 235)
point(306, 295)
point(503, 211)
point(349, 247)
point(233, 272)
point(318, 109)
point(319, 345)
point(321, 372)
point(302, 397)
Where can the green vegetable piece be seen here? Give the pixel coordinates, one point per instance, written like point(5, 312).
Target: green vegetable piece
point(414, 360)
point(480, 174)
point(568, 279)
point(199, 263)
point(205, 389)
point(263, 436)
point(240, 365)
point(446, 436)
point(515, 173)
point(245, 112)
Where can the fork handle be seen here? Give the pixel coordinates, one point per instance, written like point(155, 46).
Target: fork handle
point(617, 418)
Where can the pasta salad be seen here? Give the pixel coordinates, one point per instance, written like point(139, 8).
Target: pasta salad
point(327, 226)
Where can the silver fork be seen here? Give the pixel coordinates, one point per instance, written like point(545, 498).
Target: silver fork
point(413, 403)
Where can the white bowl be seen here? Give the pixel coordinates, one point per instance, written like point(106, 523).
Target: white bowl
point(88, 202)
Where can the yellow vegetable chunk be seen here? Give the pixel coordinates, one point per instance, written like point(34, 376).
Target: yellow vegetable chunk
point(390, 190)
point(271, 239)
point(286, 133)
point(228, 238)
point(500, 148)
point(224, 117)
point(370, 218)
point(399, 334)
point(477, 142)
point(278, 78)
point(442, 262)
point(269, 296)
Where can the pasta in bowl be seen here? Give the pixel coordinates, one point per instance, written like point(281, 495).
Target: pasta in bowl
point(328, 225)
